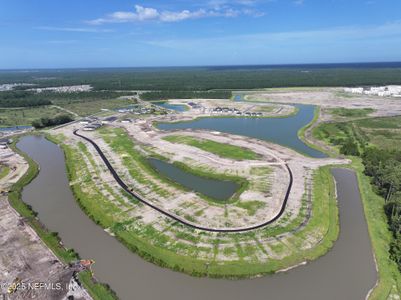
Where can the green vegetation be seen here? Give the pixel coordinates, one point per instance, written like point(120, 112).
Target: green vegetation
point(21, 99)
point(385, 169)
point(351, 113)
point(96, 290)
point(47, 122)
point(165, 95)
point(302, 132)
point(4, 171)
point(207, 78)
point(220, 149)
point(87, 108)
point(25, 116)
point(251, 206)
point(17, 98)
point(379, 171)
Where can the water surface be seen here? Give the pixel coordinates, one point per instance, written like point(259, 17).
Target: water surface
point(283, 131)
point(346, 272)
point(217, 189)
point(176, 107)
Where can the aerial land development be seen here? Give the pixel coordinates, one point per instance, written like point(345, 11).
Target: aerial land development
point(222, 188)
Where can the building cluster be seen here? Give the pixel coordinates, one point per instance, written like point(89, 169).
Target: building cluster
point(91, 123)
point(382, 91)
point(11, 86)
point(64, 89)
point(194, 105)
point(234, 111)
point(137, 110)
point(4, 143)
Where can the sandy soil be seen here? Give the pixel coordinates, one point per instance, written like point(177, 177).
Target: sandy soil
point(332, 98)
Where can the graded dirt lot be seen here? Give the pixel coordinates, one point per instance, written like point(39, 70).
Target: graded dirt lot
point(332, 98)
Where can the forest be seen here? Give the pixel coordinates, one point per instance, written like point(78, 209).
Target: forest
point(209, 78)
point(384, 167)
point(165, 95)
point(21, 98)
point(47, 122)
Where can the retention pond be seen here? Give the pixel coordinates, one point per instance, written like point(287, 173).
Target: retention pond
point(220, 190)
point(346, 272)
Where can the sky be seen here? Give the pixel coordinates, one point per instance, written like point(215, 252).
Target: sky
point(129, 33)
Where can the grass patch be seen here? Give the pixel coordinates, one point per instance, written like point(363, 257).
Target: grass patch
point(4, 171)
point(25, 116)
point(98, 291)
point(389, 276)
point(350, 112)
point(251, 206)
point(220, 149)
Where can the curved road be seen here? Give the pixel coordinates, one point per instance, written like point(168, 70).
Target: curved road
point(174, 217)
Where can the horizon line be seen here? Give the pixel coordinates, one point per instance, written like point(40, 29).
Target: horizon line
point(204, 66)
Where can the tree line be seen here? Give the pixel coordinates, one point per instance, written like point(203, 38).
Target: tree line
point(208, 78)
point(384, 167)
point(47, 122)
point(22, 99)
point(165, 95)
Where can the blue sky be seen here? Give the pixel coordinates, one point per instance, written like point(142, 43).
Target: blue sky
point(124, 33)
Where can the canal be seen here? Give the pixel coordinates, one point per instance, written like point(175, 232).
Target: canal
point(346, 272)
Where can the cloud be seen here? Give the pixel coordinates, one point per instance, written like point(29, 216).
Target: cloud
point(299, 2)
point(141, 13)
point(72, 29)
point(342, 35)
point(61, 42)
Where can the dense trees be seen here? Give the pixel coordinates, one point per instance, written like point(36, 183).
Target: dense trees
point(385, 169)
point(207, 78)
point(47, 122)
point(165, 95)
point(349, 147)
point(21, 99)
